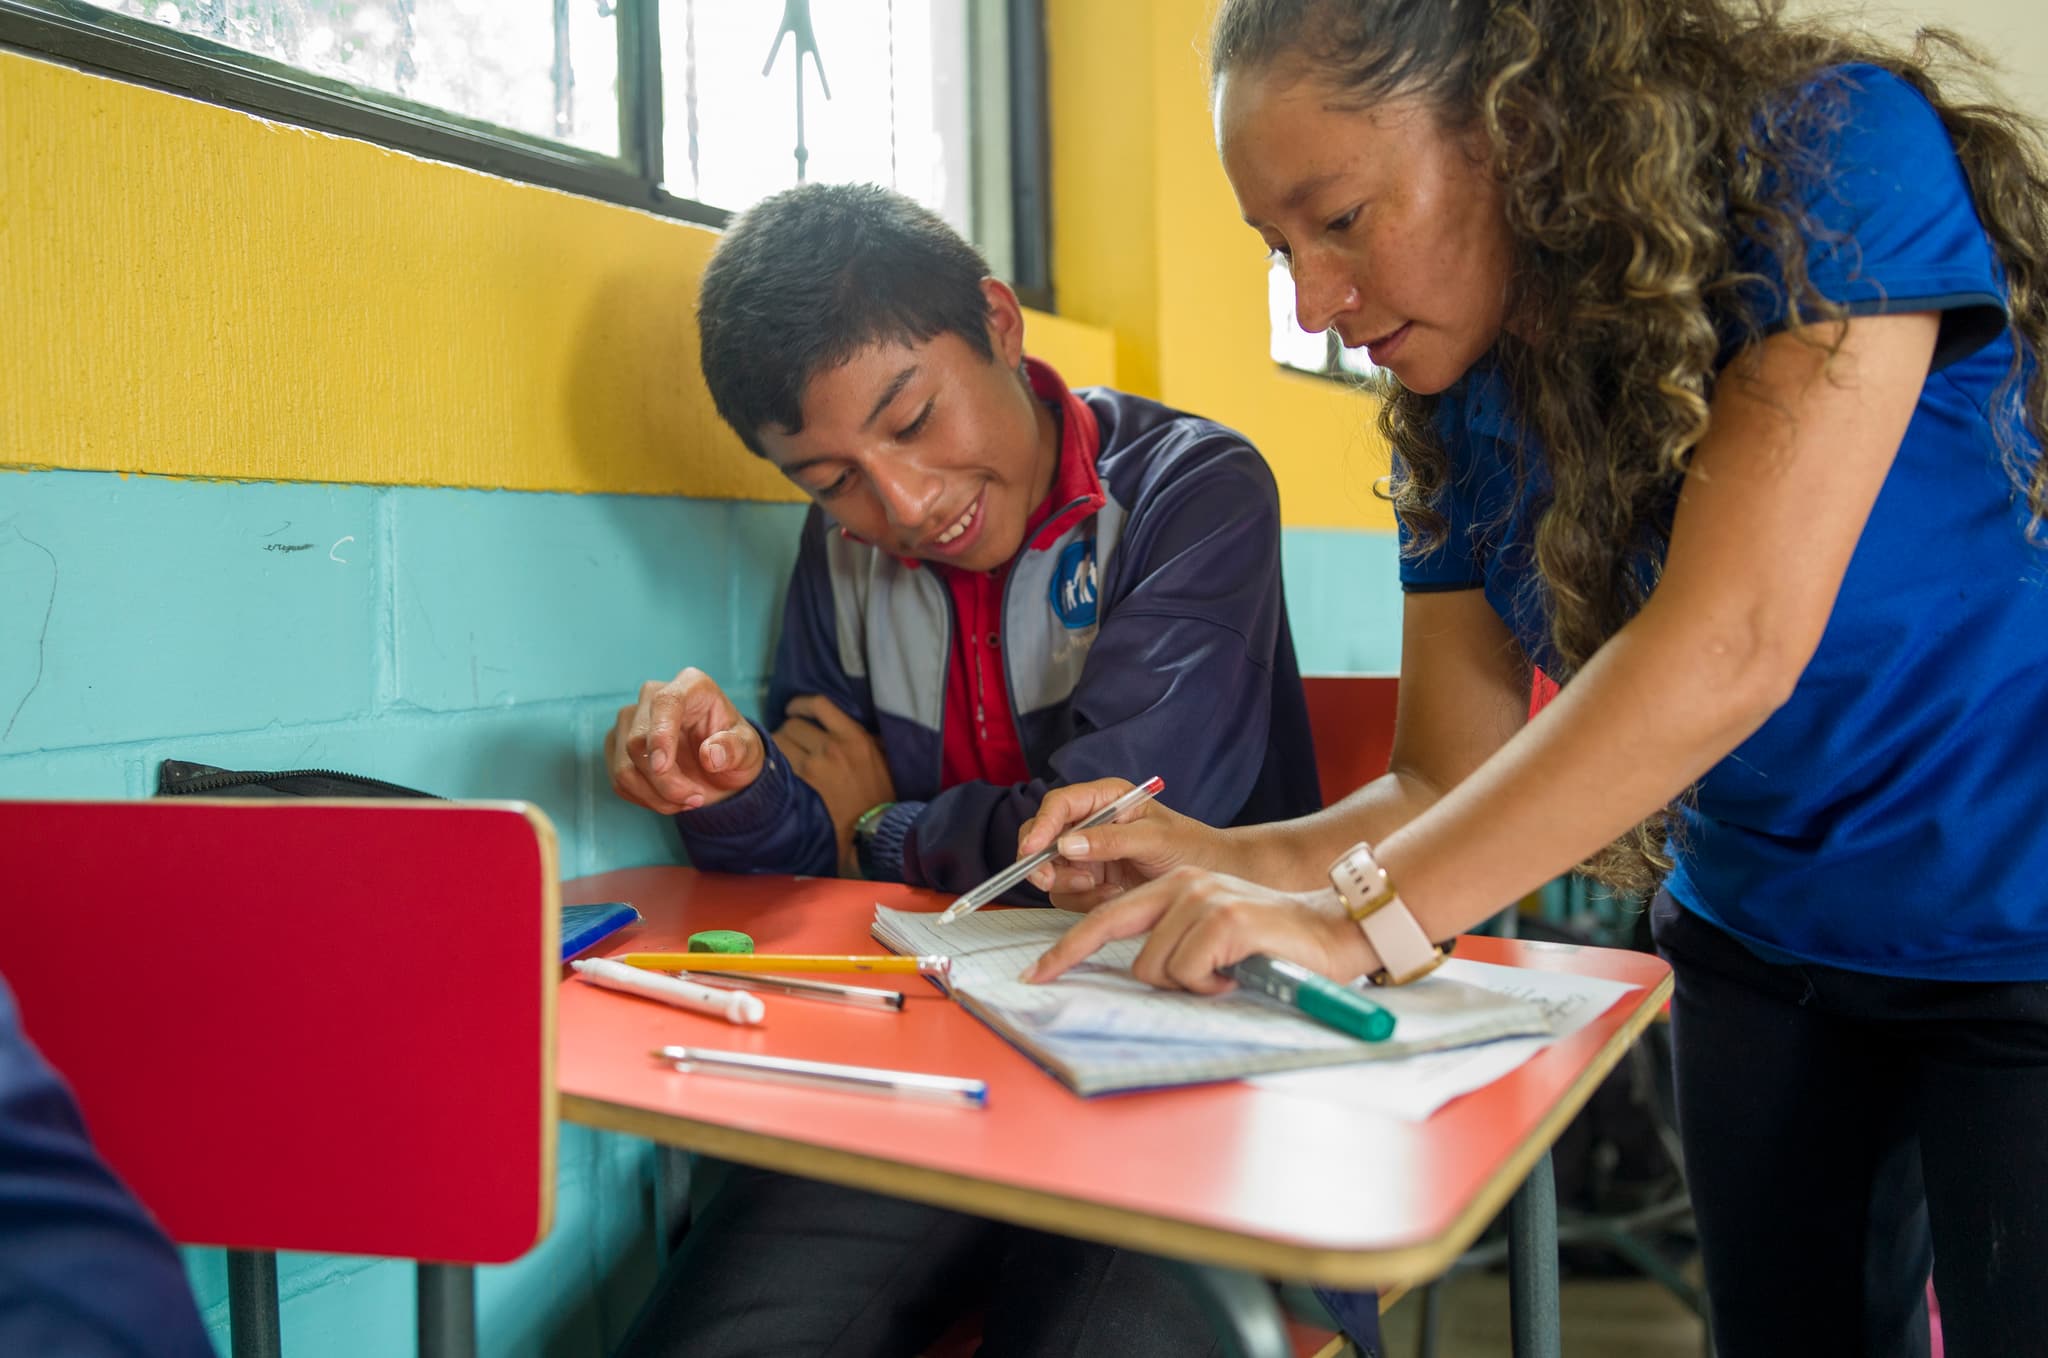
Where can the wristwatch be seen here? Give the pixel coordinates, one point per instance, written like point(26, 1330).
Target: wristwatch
point(1405, 951)
point(864, 834)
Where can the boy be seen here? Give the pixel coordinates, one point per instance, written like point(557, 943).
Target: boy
point(1002, 586)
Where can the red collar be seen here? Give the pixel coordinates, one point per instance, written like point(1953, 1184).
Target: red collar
point(1076, 484)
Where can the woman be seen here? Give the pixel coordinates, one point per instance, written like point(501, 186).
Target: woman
point(1717, 346)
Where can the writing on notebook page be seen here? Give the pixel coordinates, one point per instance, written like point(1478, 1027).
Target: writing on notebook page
point(1098, 1028)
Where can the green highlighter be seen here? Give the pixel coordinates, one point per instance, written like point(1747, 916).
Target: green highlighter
point(1320, 998)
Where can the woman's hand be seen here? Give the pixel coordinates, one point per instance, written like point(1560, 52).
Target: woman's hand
point(1099, 864)
point(1202, 922)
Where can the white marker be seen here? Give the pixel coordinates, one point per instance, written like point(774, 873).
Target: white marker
point(734, 1006)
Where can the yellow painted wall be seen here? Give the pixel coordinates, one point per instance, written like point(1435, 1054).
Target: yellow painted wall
point(1147, 242)
point(190, 291)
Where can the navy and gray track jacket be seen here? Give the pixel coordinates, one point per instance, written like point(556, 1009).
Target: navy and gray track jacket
point(1148, 637)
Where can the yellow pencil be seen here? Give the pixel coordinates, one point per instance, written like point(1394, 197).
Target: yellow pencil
point(763, 961)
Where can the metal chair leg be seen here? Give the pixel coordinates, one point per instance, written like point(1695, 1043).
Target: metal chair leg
point(1532, 1265)
point(1431, 1330)
point(1242, 1310)
point(671, 1198)
point(253, 1324)
point(447, 1311)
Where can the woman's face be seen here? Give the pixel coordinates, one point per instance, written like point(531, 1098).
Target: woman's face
point(1392, 226)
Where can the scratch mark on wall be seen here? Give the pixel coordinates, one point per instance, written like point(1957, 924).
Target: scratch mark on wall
point(279, 529)
point(331, 551)
point(42, 637)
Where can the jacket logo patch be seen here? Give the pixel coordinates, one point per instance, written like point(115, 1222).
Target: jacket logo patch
point(1073, 585)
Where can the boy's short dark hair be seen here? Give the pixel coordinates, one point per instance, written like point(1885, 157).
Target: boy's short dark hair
point(807, 278)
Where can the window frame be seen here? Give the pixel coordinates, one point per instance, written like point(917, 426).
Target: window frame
point(1333, 368)
point(107, 43)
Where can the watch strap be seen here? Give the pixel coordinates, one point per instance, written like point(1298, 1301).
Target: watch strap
point(864, 823)
point(1406, 953)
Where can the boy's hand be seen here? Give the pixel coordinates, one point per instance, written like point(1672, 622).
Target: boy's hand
point(837, 757)
point(682, 746)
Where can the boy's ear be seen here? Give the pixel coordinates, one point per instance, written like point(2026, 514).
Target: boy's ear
point(1005, 322)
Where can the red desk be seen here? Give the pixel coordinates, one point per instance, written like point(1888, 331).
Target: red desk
point(1224, 1176)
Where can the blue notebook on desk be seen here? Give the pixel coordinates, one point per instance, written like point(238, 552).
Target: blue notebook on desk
point(583, 925)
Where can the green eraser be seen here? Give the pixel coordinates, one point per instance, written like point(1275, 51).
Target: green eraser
point(721, 940)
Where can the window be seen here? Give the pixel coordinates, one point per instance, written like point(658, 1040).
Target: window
point(884, 99)
point(517, 67)
point(695, 108)
point(1293, 347)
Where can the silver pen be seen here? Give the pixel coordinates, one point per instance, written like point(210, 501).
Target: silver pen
point(866, 997)
point(1024, 867)
point(827, 1075)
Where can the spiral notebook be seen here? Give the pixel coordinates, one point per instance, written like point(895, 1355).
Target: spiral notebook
point(1099, 1030)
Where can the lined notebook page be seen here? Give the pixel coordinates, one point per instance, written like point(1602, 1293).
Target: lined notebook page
point(1099, 1028)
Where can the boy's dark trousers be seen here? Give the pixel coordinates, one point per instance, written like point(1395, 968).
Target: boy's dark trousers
point(775, 1266)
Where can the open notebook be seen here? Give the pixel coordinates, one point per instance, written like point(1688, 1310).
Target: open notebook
point(1099, 1030)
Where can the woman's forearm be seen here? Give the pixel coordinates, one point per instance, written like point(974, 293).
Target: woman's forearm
point(1295, 855)
point(1653, 711)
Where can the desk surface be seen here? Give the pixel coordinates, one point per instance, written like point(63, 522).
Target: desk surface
point(1223, 1174)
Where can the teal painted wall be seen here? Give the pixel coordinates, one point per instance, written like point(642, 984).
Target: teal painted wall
point(1344, 600)
point(470, 643)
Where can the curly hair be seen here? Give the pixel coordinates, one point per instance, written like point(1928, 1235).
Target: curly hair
point(1638, 143)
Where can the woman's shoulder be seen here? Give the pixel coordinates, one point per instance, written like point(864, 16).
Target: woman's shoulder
point(1862, 112)
point(1876, 190)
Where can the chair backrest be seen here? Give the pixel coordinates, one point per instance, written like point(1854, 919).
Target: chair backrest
point(1351, 721)
point(315, 1025)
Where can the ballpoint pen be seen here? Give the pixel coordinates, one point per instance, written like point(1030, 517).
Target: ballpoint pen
point(734, 1006)
point(766, 961)
point(1320, 998)
point(867, 997)
point(827, 1075)
point(1024, 867)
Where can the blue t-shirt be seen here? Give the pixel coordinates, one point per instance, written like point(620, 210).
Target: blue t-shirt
point(1889, 817)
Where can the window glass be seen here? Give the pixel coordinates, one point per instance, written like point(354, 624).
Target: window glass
point(546, 69)
point(898, 111)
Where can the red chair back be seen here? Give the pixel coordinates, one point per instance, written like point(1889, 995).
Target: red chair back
point(310, 1025)
point(1351, 721)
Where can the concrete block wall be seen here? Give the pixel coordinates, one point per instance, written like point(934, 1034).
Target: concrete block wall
point(469, 643)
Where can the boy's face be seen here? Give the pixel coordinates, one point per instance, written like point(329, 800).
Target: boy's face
point(927, 450)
